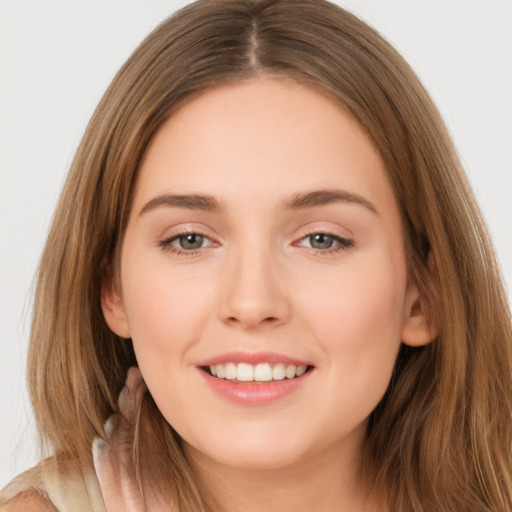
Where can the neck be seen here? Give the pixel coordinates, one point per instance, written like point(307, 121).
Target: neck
point(322, 482)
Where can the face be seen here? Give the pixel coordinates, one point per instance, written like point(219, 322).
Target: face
point(263, 276)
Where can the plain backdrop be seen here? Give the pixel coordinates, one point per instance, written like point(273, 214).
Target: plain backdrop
point(57, 57)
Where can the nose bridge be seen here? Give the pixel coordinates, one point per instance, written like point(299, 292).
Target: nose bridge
point(254, 293)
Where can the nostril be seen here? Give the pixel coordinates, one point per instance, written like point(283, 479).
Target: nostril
point(252, 322)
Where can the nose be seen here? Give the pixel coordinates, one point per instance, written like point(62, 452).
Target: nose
point(254, 292)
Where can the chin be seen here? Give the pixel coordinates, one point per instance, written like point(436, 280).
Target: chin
point(257, 460)
point(247, 451)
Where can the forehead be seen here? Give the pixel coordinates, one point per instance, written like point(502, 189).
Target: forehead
point(261, 140)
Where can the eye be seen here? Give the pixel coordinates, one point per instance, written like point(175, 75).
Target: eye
point(321, 241)
point(190, 241)
point(325, 242)
point(185, 243)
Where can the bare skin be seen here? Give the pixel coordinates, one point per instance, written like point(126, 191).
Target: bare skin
point(30, 501)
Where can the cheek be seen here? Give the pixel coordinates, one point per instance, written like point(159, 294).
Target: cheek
point(357, 328)
point(166, 310)
point(357, 321)
point(167, 314)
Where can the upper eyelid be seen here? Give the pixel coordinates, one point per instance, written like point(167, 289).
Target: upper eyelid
point(192, 230)
point(185, 232)
point(200, 232)
point(326, 231)
point(327, 227)
point(172, 233)
point(342, 240)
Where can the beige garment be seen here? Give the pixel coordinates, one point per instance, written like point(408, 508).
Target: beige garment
point(66, 489)
point(109, 485)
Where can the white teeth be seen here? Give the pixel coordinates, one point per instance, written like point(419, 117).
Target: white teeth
point(278, 372)
point(220, 370)
point(231, 371)
point(301, 370)
point(244, 372)
point(262, 372)
point(290, 371)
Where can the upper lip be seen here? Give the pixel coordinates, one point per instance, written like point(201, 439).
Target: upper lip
point(253, 358)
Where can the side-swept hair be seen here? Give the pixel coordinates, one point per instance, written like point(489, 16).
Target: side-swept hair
point(441, 437)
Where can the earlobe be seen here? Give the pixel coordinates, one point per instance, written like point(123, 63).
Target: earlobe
point(417, 328)
point(113, 309)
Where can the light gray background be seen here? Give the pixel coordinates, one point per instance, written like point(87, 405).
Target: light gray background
point(58, 56)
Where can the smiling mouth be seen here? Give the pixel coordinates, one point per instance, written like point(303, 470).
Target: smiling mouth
point(262, 372)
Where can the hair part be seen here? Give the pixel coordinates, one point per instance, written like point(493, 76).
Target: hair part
point(440, 438)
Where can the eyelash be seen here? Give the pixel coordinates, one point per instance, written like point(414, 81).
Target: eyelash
point(343, 243)
point(166, 244)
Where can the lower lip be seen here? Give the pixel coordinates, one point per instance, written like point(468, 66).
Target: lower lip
point(248, 393)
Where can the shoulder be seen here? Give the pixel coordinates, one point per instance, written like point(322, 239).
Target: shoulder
point(28, 501)
point(53, 485)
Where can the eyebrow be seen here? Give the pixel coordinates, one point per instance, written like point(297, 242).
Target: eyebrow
point(299, 201)
point(323, 197)
point(190, 201)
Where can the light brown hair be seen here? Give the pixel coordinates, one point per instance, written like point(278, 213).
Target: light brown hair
point(441, 437)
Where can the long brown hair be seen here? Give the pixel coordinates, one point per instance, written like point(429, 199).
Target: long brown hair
point(441, 437)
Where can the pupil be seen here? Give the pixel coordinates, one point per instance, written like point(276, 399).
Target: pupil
point(321, 241)
point(191, 241)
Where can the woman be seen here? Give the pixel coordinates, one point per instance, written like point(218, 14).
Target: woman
point(266, 216)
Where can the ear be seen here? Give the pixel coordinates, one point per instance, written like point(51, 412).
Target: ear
point(417, 328)
point(113, 308)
